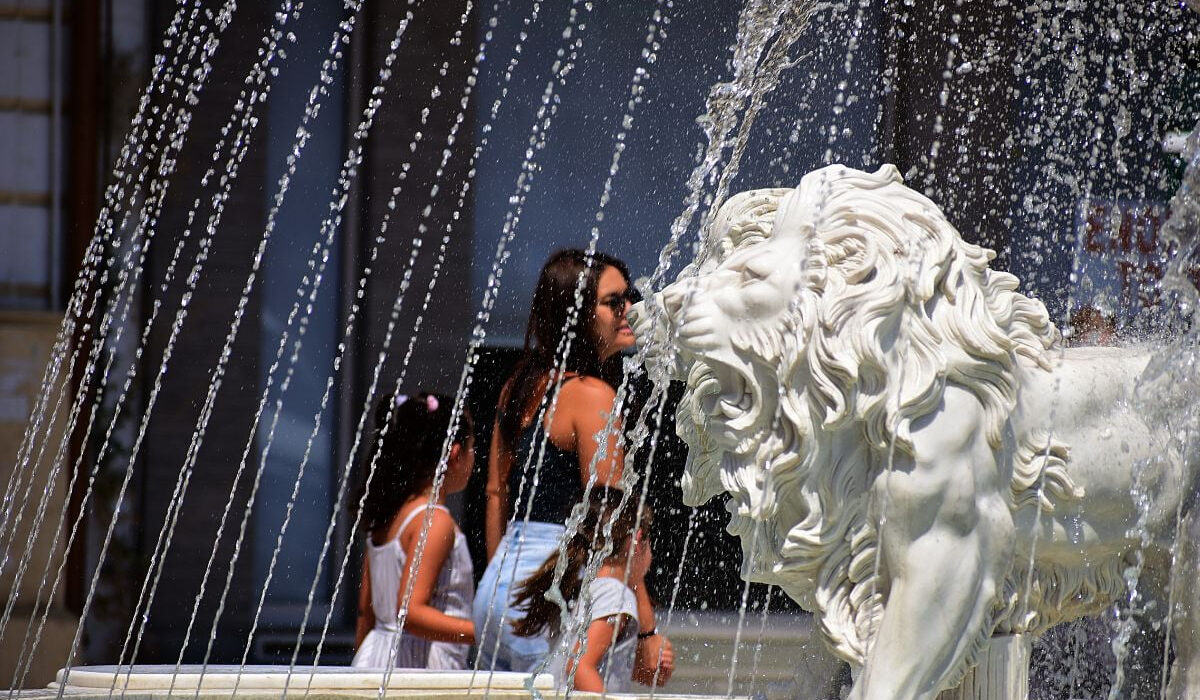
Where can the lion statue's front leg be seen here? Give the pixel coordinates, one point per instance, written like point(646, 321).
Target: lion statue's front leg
point(946, 547)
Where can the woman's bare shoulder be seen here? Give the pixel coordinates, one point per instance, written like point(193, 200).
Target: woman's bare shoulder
point(587, 389)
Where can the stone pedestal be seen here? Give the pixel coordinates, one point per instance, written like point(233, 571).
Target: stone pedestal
point(1002, 672)
point(161, 681)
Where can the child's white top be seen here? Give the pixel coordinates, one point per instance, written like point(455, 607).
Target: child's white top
point(452, 594)
point(608, 597)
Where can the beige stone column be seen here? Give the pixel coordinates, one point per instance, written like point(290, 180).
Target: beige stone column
point(26, 339)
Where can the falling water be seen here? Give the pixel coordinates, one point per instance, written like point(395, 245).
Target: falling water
point(421, 229)
point(761, 58)
point(258, 77)
point(312, 109)
point(126, 272)
point(679, 229)
point(370, 472)
point(240, 144)
point(124, 177)
point(760, 33)
point(330, 226)
point(572, 37)
point(346, 337)
point(758, 644)
point(687, 541)
point(1179, 232)
point(164, 170)
point(636, 90)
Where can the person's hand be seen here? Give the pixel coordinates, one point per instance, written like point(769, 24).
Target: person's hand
point(655, 661)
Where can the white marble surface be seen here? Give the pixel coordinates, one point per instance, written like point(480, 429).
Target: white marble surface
point(154, 682)
point(255, 678)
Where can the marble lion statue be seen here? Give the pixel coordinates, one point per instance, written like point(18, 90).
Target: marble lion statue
point(910, 452)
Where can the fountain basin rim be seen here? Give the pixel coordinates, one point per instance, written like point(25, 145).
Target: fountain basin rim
point(149, 677)
point(153, 682)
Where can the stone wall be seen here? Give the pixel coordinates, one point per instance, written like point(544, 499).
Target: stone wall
point(25, 342)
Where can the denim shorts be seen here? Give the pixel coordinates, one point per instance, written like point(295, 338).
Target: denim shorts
point(523, 549)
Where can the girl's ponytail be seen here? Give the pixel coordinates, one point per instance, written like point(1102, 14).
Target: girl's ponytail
point(542, 615)
point(601, 523)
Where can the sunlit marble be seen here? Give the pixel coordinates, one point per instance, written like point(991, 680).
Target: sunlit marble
point(910, 451)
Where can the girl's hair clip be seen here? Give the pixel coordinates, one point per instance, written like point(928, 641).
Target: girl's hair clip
point(431, 401)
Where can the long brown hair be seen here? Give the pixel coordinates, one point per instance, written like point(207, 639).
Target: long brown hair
point(549, 322)
point(608, 523)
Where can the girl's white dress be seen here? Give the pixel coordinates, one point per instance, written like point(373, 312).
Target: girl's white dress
point(452, 594)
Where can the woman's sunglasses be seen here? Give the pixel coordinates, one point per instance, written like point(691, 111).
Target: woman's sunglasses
point(616, 302)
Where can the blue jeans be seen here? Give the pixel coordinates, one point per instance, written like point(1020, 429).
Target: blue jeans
point(514, 561)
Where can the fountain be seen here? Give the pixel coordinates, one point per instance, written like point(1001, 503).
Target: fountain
point(910, 453)
point(821, 364)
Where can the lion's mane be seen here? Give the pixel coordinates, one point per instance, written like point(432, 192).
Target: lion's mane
point(885, 277)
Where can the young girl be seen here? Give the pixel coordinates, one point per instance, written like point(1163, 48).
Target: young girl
point(437, 630)
point(608, 613)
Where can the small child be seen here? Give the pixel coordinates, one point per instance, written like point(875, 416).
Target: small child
point(609, 607)
point(437, 631)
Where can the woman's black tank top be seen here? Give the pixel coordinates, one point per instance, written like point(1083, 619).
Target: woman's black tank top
point(559, 486)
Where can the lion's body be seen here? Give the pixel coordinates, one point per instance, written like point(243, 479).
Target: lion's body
point(1089, 403)
point(1088, 400)
point(851, 361)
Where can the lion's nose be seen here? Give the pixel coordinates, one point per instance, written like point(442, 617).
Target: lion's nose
point(634, 314)
point(672, 300)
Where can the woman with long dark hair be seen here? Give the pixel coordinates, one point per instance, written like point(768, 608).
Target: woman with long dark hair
point(540, 459)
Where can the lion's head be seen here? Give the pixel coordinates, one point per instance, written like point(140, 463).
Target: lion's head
point(789, 330)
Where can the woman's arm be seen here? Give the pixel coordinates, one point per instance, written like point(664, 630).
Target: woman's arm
point(588, 402)
point(366, 614)
point(655, 659)
point(423, 619)
point(496, 512)
point(600, 636)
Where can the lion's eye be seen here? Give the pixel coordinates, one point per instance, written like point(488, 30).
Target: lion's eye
point(756, 269)
point(750, 276)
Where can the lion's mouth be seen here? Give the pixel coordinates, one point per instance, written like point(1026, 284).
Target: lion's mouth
point(721, 391)
point(736, 399)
